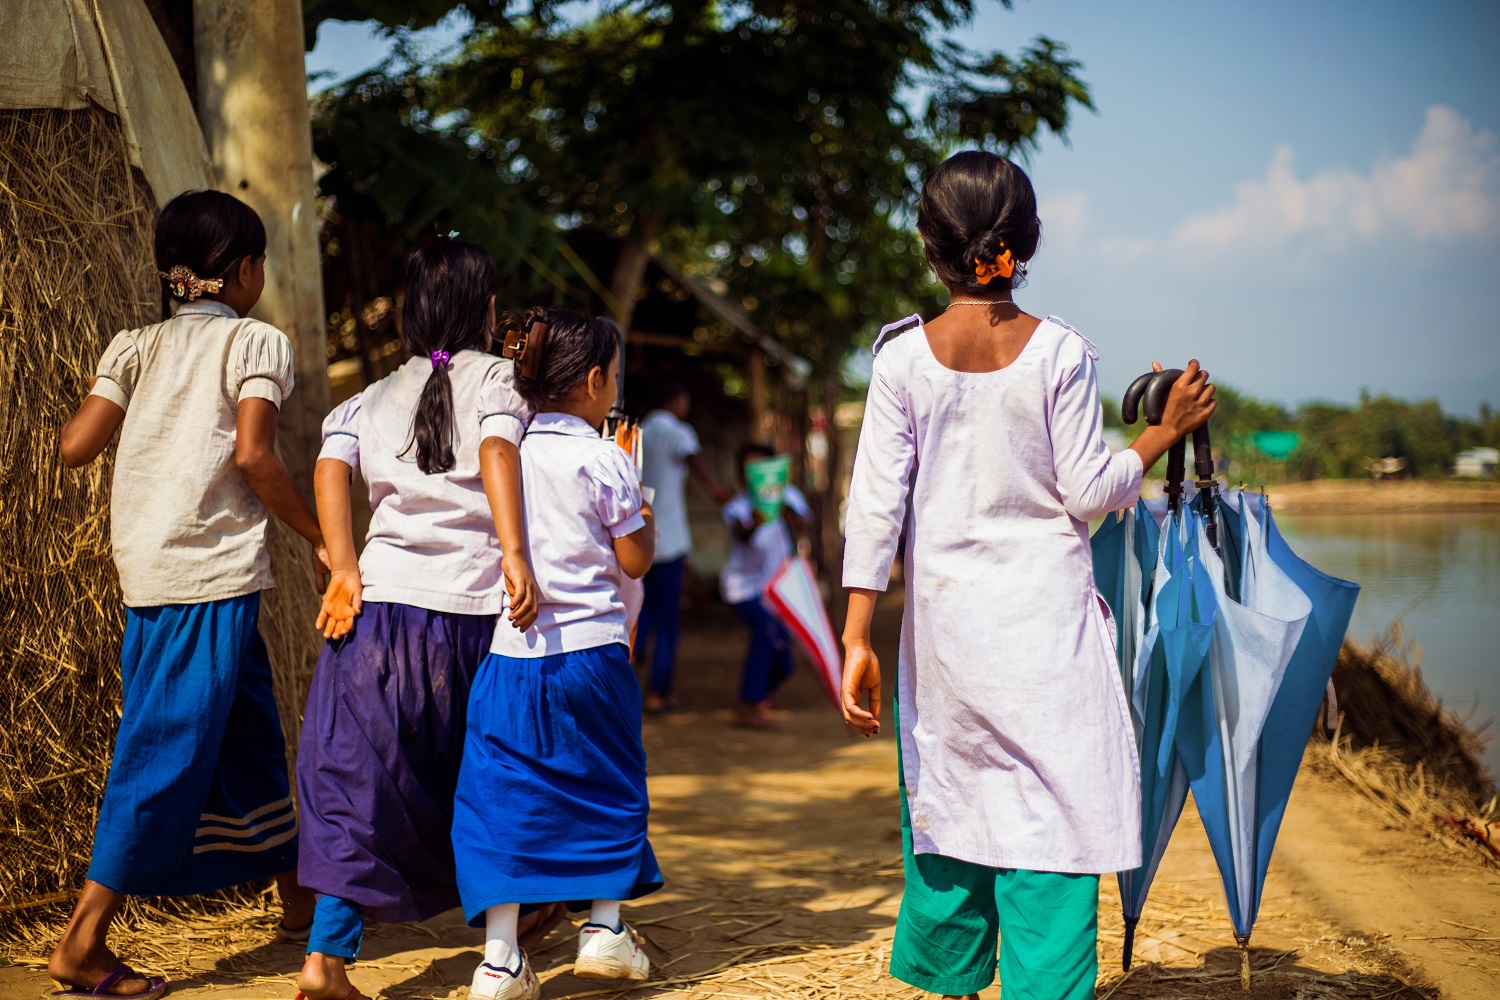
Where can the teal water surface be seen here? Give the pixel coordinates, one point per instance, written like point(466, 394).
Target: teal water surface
point(1438, 573)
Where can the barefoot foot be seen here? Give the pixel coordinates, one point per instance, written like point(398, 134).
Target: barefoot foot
point(323, 977)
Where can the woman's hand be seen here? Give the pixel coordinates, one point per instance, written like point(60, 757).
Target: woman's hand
point(861, 674)
point(520, 584)
point(343, 600)
point(1191, 401)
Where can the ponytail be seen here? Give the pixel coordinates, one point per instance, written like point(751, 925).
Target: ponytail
point(432, 425)
point(448, 288)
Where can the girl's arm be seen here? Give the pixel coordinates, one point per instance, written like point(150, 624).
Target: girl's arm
point(255, 457)
point(861, 665)
point(636, 550)
point(88, 433)
point(343, 599)
point(500, 468)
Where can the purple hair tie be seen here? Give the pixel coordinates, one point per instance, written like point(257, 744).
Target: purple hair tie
point(439, 358)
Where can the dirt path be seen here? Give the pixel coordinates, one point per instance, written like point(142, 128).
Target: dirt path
point(782, 856)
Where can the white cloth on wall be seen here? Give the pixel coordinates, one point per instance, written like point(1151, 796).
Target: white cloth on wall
point(59, 54)
point(1015, 731)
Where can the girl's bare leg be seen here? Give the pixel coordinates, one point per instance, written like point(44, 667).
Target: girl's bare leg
point(297, 901)
point(82, 958)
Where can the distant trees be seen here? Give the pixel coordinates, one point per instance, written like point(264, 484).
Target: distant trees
point(776, 147)
point(1337, 441)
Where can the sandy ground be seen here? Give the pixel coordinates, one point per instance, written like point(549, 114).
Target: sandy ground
point(1362, 496)
point(782, 855)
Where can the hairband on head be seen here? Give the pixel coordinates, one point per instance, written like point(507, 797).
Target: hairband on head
point(440, 358)
point(1002, 266)
point(525, 349)
point(186, 286)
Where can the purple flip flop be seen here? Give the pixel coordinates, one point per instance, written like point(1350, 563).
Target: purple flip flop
point(155, 986)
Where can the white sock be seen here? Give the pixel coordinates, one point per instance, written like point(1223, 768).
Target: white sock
point(500, 947)
point(606, 912)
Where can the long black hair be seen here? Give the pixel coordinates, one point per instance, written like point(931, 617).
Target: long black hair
point(208, 232)
point(574, 346)
point(449, 284)
point(971, 204)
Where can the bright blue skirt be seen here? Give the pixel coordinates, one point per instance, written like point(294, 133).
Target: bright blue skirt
point(551, 801)
point(198, 797)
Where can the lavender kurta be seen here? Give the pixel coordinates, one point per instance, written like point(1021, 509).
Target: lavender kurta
point(1015, 731)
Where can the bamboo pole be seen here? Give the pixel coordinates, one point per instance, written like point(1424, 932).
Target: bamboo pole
point(252, 104)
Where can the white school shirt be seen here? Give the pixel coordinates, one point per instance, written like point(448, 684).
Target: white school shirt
point(752, 563)
point(581, 493)
point(666, 445)
point(184, 525)
point(431, 542)
point(1015, 731)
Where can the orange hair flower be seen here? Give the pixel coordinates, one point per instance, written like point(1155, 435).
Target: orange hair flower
point(1002, 266)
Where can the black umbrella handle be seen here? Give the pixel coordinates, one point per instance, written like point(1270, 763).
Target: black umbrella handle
point(1150, 392)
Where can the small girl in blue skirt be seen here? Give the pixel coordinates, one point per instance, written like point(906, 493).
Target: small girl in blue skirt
point(551, 801)
point(197, 797)
point(410, 620)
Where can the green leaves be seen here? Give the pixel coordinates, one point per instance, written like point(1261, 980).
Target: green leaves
point(777, 147)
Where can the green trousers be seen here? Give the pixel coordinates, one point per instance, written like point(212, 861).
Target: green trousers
point(952, 911)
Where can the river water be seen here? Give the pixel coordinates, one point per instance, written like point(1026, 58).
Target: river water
point(1439, 573)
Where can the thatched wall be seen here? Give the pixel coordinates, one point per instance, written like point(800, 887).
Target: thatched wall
point(75, 256)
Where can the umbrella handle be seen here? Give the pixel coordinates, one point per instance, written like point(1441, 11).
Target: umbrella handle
point(1149, 393)
point(1130, 403)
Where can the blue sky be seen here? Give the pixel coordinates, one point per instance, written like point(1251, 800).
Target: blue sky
point(1304, 196)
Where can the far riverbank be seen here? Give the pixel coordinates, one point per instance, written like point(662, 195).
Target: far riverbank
point(1364, 496)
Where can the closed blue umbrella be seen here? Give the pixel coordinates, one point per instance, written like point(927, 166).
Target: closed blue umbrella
point(1247, 717)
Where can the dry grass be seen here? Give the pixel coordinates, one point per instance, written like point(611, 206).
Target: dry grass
point(75, 255)
point(1420, 764)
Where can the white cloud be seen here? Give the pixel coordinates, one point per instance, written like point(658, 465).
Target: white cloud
point(1447, 187)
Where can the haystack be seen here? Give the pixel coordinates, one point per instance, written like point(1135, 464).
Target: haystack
point(75, 268)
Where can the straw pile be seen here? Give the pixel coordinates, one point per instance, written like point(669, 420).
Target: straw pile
point(1395, 742)
point(75, 255)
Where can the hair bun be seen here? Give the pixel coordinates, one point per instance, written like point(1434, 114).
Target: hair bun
point(974, 207)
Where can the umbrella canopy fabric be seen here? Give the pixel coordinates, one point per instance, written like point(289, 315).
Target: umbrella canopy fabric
point(792, 595)
point(1295, 708)
point(1130, 569)
point(1220, 737)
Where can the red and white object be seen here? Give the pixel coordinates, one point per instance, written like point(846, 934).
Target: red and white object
point(792, 596)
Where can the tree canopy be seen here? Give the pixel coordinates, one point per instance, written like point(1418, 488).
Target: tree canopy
point(774, 148)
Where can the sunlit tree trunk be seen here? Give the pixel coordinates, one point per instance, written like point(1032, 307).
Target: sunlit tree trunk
point(629, 276)
point(252, 103)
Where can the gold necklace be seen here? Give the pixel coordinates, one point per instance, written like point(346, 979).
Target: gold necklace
point(980, 302)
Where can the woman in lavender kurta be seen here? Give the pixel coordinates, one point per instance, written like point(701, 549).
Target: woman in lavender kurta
point(983, 441)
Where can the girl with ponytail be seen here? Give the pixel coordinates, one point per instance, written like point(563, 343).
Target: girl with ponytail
point(551, 800)
point(409, 621)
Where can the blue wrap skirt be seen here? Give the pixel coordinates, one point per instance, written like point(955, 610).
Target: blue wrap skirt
point(381, 744)
point(551, 801)
point(198, 797)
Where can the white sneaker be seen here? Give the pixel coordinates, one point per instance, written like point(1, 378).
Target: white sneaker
point(606, 953)
point(492, 982)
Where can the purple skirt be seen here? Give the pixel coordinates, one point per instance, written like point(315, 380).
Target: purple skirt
point(378, 764)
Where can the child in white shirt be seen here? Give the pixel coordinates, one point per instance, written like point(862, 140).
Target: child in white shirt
point(551, 800)
point(410, 621)
point(757, 549)
point(197, 797)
